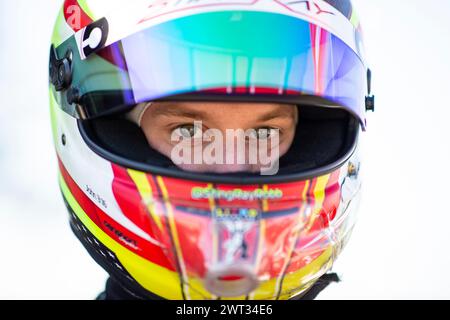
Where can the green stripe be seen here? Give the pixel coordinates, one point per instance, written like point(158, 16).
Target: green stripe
point(56, 37)
point(354, 19)
point(53, 116)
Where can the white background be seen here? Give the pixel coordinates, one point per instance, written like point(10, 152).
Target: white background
point(400, 247)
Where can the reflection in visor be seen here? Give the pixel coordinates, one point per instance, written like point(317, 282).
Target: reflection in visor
point(260, 249)
point(239, 53)
point(232, 253)
point(242, 52)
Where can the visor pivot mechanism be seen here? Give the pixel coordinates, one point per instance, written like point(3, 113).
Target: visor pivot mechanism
point(60, 70)
point(370, 98)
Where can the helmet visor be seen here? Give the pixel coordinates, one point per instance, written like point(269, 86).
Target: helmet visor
point(243, 54)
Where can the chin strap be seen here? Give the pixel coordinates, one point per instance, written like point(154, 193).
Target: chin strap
point(114, 291)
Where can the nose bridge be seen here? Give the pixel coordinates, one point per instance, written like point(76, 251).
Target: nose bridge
point(237, 150)
point(233, 120)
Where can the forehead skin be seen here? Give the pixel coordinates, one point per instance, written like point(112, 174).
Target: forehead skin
point(216, 113)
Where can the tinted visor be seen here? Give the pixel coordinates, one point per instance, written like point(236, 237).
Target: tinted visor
point(238, 54)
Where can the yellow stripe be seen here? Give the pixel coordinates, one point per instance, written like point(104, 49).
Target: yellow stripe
point(319, 190)
point(265, 202)
point(234, 298)
point(319, 197)
point(54, 117)
point(57, 38)
point(212, 206)
point(290, 281)
point(176, 240)
point(146, 192)
point(215, 240)
point(354, 19)
point(298, 281)
point(279, 284)
point(154, 278)
point(305, 190)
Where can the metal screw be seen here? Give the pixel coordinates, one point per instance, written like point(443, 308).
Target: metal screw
point(352, 170)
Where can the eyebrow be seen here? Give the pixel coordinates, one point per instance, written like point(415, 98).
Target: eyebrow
point(175, 111)
point(281, 111)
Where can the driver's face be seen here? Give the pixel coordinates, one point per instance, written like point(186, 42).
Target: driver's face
point(165, 120)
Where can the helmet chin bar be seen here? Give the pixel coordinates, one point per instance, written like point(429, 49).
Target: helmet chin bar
point(235, 259)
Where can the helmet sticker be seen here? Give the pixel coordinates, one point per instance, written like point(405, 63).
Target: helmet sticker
point(93, 37)
point(235, 194)
point(145, 14)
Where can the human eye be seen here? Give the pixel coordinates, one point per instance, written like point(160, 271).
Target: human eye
point(264, 133)
point(187, 131)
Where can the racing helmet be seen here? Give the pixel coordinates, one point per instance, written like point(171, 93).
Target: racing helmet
point(163, 232)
